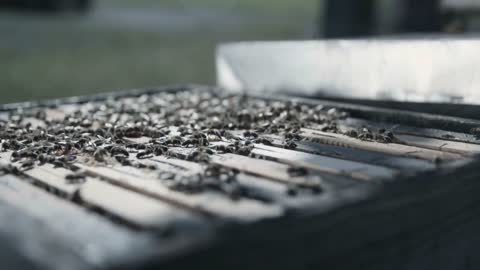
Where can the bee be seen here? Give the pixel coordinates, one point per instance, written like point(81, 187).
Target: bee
point(475, 131)
point(28, 164)
point(145, 154)
point(159, 150)
point(100, 154)
point(10, 169)
point(119, 150)
point(290, 145)
point(384, 136)
point(292, 190)
point(215, 132)
point(244, 150)
point(352, 133)
point(297, 171)
point(330, 127)
point(190, 142)
point(78, 178)
point(250, 135)
point(293, 136)
point(448, 136)
point(139, 165)
point(5, 146)
point(199, 156)
point(45, 158)
point(224, 148)
point(173, 141)
point(59, 164)
point(133, 132)
point(264, 141)
point(365, 134)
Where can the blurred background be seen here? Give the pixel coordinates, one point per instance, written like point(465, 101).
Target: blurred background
point(56, 48)
point(64, 48)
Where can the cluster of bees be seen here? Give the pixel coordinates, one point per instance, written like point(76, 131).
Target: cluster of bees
point(108, 132)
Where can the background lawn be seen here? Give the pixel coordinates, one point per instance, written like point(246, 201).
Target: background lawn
point(127, 44)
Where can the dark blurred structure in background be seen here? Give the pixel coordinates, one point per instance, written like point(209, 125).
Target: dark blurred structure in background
point(47, 5)
point(345, 18)
point(48, 51)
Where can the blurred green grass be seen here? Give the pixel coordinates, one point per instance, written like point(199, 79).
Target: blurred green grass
point(259, 6)
point(61, 57)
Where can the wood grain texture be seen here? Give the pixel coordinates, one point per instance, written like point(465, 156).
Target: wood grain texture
point(423, 138)
point(440, 145)
point(446, 134)
point(391, 161)
point(352, 169)
point(208, 203)
point(87, 236)
point(264, 188)
point(391, 148)
point(55, 178)
point(137, 208)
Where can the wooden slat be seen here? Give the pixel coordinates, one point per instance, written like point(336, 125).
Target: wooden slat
point(264, 188)
point(210, 203)
point(278, 193)
point(92, 237)
point(440, 145)
point(355, 155)
point(109, 198)
point(48, 175)
point(295, 158)
point(382, 159)
point(60, 112)
point(390, 148)
point(176, 165)
point(435, 141)
point(326, 161)
point(54, 177)
point(416, 131)
point(268, 169)
point(324, 164)
point(278, 171)
point(336, 189)
point(137, 208)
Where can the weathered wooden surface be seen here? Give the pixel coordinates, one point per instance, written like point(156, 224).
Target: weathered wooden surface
point(131, 181)
point(76, 235)
point(209, 203)
point(370, 157)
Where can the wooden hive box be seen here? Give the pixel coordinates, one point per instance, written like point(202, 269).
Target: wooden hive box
point(189, 176)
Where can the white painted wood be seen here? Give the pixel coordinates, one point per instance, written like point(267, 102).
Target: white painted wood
point(91, 236)
point(365, 69)
point(53, 177)
point(133, 207)
point(243, 210)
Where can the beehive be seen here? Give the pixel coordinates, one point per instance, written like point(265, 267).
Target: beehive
point(192, 176)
